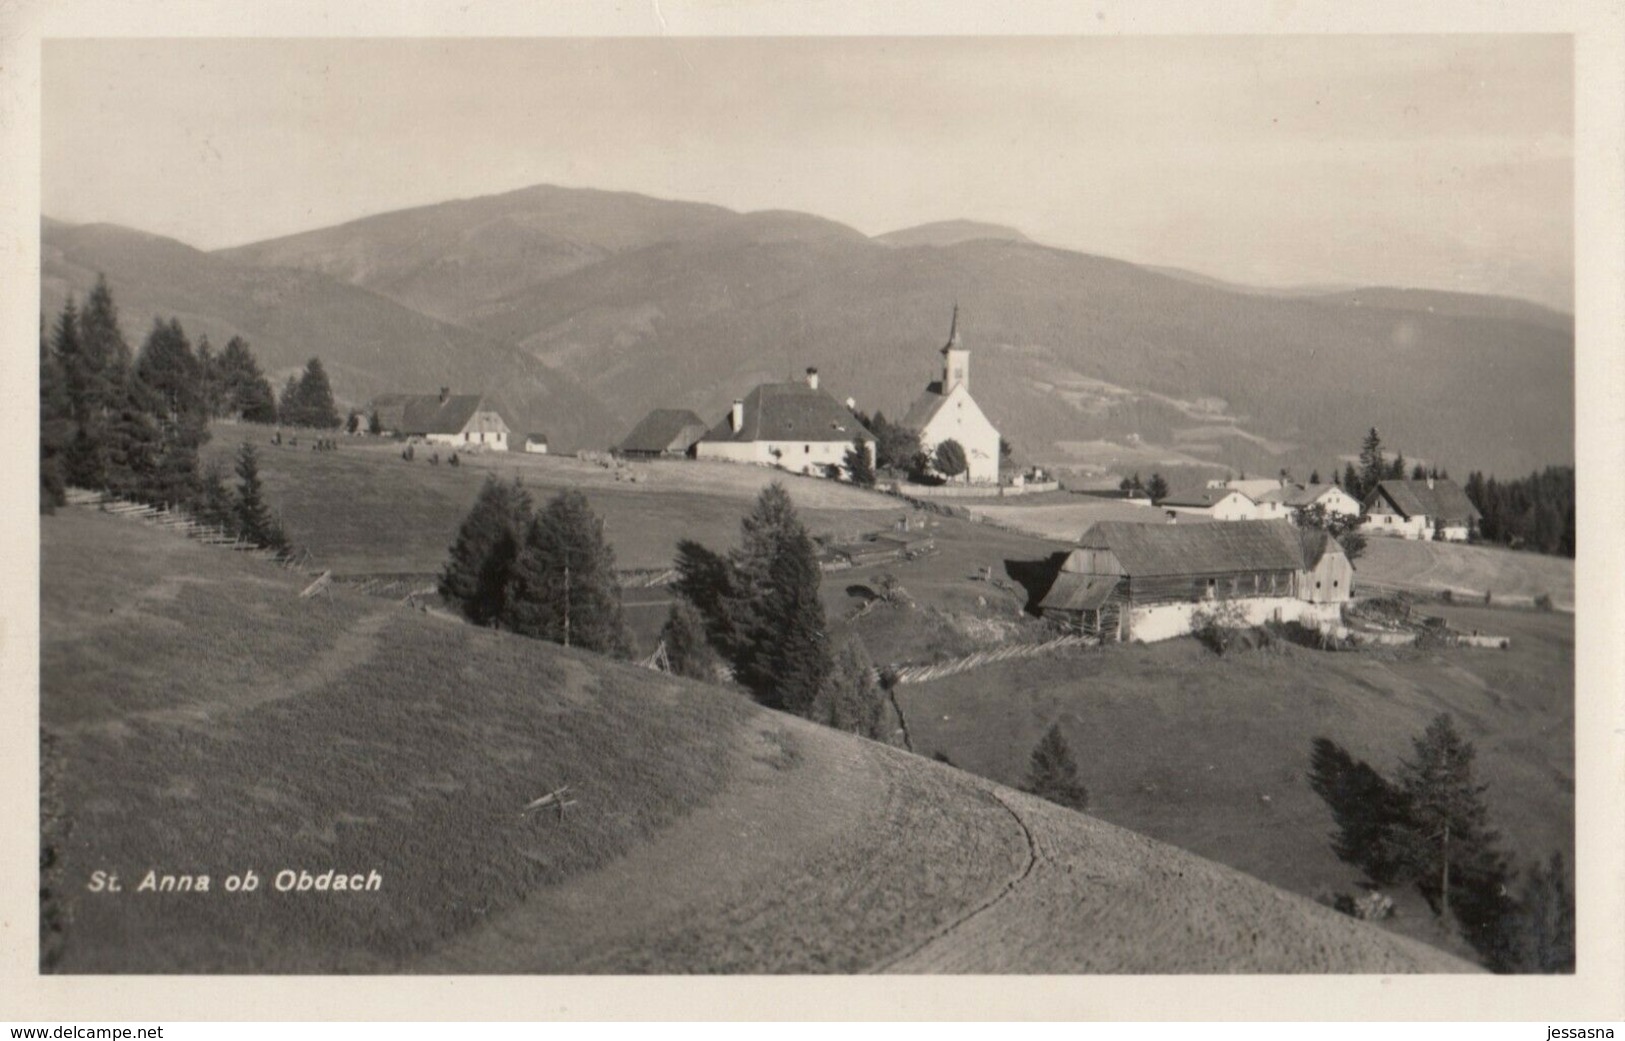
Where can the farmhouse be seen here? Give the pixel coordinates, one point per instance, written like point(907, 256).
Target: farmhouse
point(946, 411)
point(1420, 509)
point(458, 420)
point(1223, 504)
point(1146, 581)
point(669, 432)
point(1295, 498)
point(795, 426)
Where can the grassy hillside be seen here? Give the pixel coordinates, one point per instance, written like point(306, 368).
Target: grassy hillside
point(201, 718)
point(1509, 576)
point(368, 343)
point(1210, 754)
point(364, 509)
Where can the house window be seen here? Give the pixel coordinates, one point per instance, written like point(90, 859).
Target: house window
point(806, 449)
point(1317, 583)
point(467, 436)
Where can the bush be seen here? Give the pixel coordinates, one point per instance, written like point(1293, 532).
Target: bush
point(1053, 774)
point(1543, 602)
point(1219, 625)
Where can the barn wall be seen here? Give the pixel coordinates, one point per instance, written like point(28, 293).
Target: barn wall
point(1149, 624)
point(1330, 582)
point(1191, 588)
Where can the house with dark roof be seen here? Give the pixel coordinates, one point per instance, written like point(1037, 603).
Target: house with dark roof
point(1147, 581)
point(1294, 498)
point(796, 426)
point(946, 411)
point(464, 421)
point(1210, 503)
point(668, 432)
point(536, 443)
point(1432, 507)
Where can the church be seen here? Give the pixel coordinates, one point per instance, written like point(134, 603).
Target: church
point(946, 411)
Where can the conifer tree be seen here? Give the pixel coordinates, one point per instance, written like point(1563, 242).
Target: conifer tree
point(1314, 477)
point(688, 649)
point(244, 390)
point(1373, 468)
point(215, 504)
point(55, 426)
point(254, 518)
point(563, 585)
point(1445, 840)
point(480, 564)
point(1157, 488)
point(858, 468)
point(289, 411)
point(1368, 811)
point(780, 651)
point(852, 700)
point(315, 398)
point(106, 350)
point(1351, 482)
point(706, 581)
point(1053, 774)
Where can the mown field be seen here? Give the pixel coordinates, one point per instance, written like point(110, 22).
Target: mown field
point(1211, 754)
point(1510, 576)
point(363, 509)
point(199, 717)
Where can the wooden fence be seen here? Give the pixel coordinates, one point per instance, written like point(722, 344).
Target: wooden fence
point(926, 673)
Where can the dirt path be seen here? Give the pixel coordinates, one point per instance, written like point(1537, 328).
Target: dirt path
point(1100, 899)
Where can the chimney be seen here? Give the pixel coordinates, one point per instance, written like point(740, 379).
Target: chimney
point(445, 392)
point(812, 378)
point(737, 418)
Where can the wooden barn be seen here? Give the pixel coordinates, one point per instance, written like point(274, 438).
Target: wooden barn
point(1145, 581)
point(668, 432)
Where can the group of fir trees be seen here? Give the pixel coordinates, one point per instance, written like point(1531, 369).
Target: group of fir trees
point(547, 573)
point(1375, 467)
point(1155, 489)
point(1534, 512)
point(1429, 828)
point(116, 420)
point(757, 610)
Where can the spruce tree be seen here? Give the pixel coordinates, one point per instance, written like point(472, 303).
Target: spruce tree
point(1368, 811)
point(688, 649)
point(1445, 841)
point(215, 503)
point(244, 390)
point(852, 699)
point(106, 350)
point(290, 411)
point(253, 516)
point(706, 581)
point(780, 653)
point(313, 399)
point(1314, 477)
point(1157, 489)
point(1053, 774)
point(1373, 468)
point(563, 586)
point(858, 468)
point(56, 426)
point(480, 562)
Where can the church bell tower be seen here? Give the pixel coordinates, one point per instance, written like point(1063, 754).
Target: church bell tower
point(955, 358)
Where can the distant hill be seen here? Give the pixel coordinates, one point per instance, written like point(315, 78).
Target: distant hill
point(950, 233)
point(1078, 359)
point(369, 343)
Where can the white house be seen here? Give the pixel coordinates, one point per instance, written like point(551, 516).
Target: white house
point(1293, 499)
point(794, 426)
point(466, 421)
point(946, 411)
point(1418, 509)
point(1220, 504)
point(536, 443)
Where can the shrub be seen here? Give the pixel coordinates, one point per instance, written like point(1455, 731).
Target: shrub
point(1219, 625)
point(1053, 774)
point(1543, 602)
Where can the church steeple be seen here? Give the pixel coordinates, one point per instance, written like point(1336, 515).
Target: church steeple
point(955, 358)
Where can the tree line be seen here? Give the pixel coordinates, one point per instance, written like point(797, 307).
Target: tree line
point(1429, 828)
point(1534, 512)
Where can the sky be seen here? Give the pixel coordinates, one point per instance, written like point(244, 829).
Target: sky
point(1430, 161)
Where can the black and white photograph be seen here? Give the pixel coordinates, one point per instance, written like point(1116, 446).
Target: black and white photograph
point(758, 505)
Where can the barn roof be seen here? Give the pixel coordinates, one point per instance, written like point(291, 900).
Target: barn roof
point(1075, 592)
point(428, 414)
point(661, 429)
point(1316, 544)
point(1199, 496)
point(1198, 549)
point(1439, 498)
point(791, 412)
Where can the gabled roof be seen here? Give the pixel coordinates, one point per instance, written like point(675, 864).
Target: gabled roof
point(1316, 544)
point(1298, 494)
point(663, 429)
point(1200, 497)
point(428, 414)
point(1075, 592)
point(1440, 498)
point(791, 412)
point(1198, 549)
point(925, 407)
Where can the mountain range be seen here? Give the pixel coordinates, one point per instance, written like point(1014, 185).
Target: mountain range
point(587, 308)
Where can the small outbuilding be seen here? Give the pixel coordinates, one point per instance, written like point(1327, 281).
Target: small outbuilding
point(536, 444)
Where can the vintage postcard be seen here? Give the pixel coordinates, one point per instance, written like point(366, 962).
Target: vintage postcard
point(644, 505)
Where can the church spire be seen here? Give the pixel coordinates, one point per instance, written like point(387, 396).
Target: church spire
point(953, 332)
